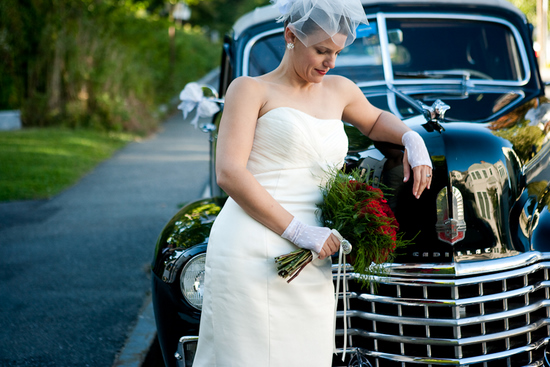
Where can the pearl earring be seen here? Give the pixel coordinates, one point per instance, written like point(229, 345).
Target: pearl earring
point(290, 46)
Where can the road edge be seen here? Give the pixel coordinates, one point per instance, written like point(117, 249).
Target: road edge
point(140, 340)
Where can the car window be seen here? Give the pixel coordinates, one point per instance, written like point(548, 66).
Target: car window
point(266, 54)
point(360, 62)
point(478, 49)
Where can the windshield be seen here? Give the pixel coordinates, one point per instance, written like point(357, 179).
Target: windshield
point(418, 48)
point(362, 60)
point(453, 48)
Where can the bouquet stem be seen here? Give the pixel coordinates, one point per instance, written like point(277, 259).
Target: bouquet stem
point(291, 265)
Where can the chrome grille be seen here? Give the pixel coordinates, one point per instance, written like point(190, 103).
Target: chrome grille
point(490, 320)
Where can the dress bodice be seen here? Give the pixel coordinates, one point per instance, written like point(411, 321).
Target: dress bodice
point(287, 138)
point(292, 154)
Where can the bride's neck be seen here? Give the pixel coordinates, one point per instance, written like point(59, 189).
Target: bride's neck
point(287, 74)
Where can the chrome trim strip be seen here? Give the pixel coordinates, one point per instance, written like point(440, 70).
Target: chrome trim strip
point(252, 42)
point(447, 322)
point(450, 88)
point(371, 84)
point(447, 342)
point(384, 47)
point(468, 267)
point(449, 302)
point(490, 273)
point(506, 274)
point(471, 82)
point(392, 104)
point(180, 354)
point(457, 361)
point(537, 165)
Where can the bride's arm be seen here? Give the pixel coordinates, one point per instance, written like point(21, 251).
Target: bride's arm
point(243, 101)
point(381, 125)
point(236, 134)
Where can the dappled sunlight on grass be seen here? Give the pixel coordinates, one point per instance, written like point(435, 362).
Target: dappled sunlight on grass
point(39, 163)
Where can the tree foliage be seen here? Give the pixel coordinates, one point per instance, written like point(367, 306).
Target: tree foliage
point(98, 63)
point(528, 7)
point(219, 15)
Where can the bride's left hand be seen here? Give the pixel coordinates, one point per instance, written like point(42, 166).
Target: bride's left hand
point(422, 176)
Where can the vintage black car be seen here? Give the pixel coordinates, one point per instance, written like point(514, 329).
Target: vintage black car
point(474, 289)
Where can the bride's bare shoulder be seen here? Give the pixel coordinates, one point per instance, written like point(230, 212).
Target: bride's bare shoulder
point(246, 84)
point(246, 93)
point(342, 88)
point(339, 82)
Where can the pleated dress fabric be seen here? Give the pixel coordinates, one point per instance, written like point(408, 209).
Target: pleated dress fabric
point(251, 316)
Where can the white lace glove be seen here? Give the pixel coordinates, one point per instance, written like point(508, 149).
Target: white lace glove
point(305, 236)
point(416, 149)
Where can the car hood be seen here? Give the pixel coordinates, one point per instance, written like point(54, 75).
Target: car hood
point(476, 106)
point(478, 159)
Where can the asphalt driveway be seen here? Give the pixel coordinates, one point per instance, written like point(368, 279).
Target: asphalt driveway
point(74, 270)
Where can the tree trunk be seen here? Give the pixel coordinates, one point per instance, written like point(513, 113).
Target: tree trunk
point(55, 85)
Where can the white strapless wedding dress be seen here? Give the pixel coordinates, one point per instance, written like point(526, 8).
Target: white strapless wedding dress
point(251, 316)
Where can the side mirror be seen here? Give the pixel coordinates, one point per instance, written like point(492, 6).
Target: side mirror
point(204, 100)
point(210, 92)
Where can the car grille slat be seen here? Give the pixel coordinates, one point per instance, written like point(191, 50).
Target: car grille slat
point(440, 341)
point(459, 302)
point(472, 320)
point(472, 361)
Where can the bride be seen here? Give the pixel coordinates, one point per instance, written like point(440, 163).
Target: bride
point(279, 134)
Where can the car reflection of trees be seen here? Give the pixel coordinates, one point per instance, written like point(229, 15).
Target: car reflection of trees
point(193, 227)
point(486, 186)
point(526, 127)
point(486, 182)
point(539, 201)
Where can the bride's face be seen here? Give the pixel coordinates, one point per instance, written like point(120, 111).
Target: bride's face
point(313, 62)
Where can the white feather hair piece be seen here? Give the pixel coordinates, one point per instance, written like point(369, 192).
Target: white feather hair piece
point(314, 21)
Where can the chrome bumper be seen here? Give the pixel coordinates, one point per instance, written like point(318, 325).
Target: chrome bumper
point(490, 313)
point(187, 345)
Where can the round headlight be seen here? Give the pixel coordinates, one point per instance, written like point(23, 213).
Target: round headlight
point(192, 280)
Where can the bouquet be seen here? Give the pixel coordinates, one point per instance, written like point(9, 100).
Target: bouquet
point(362, 216)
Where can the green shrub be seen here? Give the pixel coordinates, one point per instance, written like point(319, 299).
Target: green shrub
point(101, 65)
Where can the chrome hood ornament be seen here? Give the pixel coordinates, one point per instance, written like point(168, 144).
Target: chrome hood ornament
point(450, 226)
point(434, 114)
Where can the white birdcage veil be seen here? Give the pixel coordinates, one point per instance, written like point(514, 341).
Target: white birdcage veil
point(313, 21)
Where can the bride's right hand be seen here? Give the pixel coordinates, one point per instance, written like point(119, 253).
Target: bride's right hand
point(320, 240)
point(330, 247)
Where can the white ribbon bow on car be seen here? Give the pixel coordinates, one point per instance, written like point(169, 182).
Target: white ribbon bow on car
point(192, 97)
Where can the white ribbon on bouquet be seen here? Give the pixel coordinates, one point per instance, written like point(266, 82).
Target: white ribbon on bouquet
point(345, 249)
point(192, 97)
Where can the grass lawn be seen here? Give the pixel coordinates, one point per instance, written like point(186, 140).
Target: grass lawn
point(39, 163)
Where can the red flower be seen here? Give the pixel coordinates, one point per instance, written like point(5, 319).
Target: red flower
point(362, 215)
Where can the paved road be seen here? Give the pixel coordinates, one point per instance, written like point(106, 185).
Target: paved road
point(74, 270)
